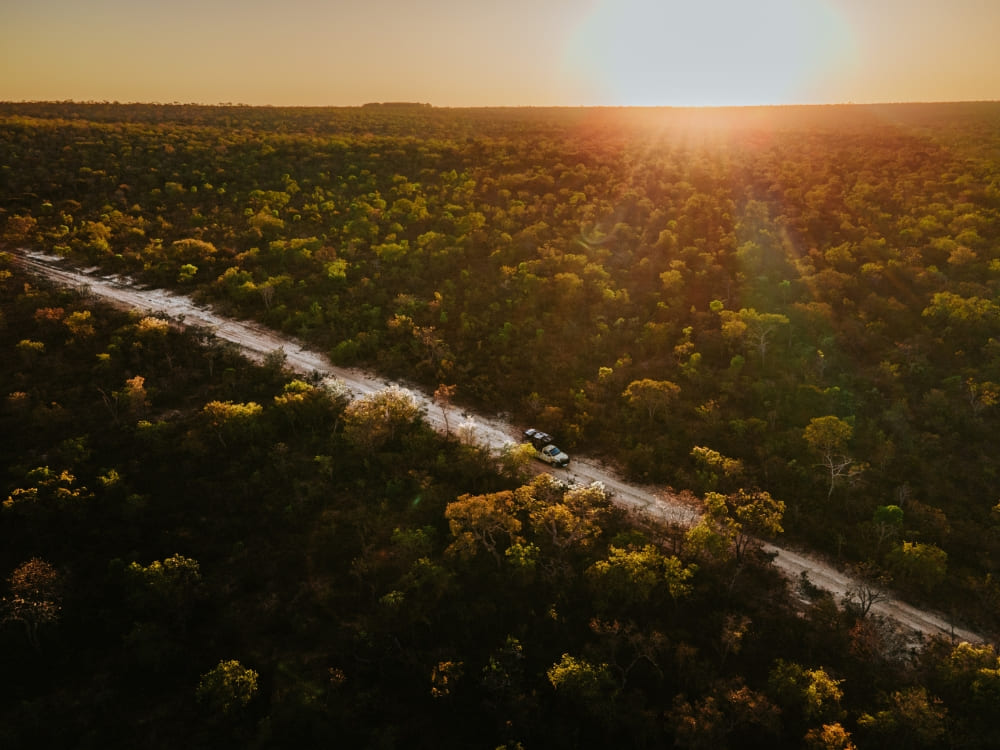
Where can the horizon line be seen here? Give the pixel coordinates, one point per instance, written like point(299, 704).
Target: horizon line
point(429, 105)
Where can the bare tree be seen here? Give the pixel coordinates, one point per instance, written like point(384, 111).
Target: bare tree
point(442, 397)
point(868, 588)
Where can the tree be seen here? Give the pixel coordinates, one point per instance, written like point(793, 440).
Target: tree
point(19, 230)
point(503, 673)
point(469, 434)
point(231, 420)
point(444, 676)
point(443, 396)
point(828, 436)
point(867, 588)
point(581, 681)
point(650, 395)
point(311, 407)
point(190, 251)
point(632, 575)
point(740, 520)
point(79, 324)
point(829, 737)
point(756, 328)
point(920, 564)
point(169, 586)
point(48, 492)
point(965, 317)
point(731, 710)
point(812, 692)
point(516, 458)
point(972, 673)
point(887, 524)
point(758, 516)
point(734, 631)
point(575, 519)
point(131, 401)
point(34, 597)
point(227, 688)
point(701, 725)
point(981, 396)
point(911, 718)
point(186, 273)
point(30, 350)
point(713, 466)
point(373, 421)
point(483, 521)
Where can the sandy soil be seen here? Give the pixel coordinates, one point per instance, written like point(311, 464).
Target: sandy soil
point(257, 342)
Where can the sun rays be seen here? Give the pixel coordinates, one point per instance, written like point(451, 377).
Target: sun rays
point(713, 53)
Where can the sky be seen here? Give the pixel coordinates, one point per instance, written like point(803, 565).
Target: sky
point(465, 53)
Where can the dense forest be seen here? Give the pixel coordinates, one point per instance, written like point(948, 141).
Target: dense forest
point(791, 312)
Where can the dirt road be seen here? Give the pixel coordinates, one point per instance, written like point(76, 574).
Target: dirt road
point(257, 342)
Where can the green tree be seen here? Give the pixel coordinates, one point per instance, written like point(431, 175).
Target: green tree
point(373, 421)
point(919, 564)
point(516, 458)
point(887, 524)
point(911, 718)
point(232, 420)
point(632, 575)
point(981, 396)
point(131, 401)
point(828, 437)
point(311, 407)
point(972, 673)
point(48, 492)
point(713, 466)
point(80, 325)
point(738, 521)
point(757, 329)
point(574, 520)
point(169, 585)
point(651, 396)
point(504, 672)
point(192, 251)
point(812, 693)
point(227, 688)
point(581, 681)
point(30, 350)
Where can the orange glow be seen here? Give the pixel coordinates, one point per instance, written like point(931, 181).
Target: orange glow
point(522, 52)
point(714, 53)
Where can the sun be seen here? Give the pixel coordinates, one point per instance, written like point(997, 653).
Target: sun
point(707, 52)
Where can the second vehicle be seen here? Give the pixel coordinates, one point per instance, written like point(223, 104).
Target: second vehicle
point(545, 450)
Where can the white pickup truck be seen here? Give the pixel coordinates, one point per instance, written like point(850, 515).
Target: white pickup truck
point(545, 450)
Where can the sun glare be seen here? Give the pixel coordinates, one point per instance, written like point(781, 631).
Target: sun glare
point(707, 52)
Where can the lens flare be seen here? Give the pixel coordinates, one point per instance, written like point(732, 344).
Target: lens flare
point(708, 52)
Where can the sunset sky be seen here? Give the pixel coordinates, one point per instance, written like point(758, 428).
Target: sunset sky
point(519, 52)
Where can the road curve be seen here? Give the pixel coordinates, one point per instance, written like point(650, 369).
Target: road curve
point(257, 342)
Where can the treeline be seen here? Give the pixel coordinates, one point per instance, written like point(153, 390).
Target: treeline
point(802, 300)
point(198, 551)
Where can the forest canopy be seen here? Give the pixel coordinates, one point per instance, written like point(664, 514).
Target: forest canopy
point(797, 302)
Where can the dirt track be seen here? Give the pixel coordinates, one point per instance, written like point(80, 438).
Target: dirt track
point(257, 342)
